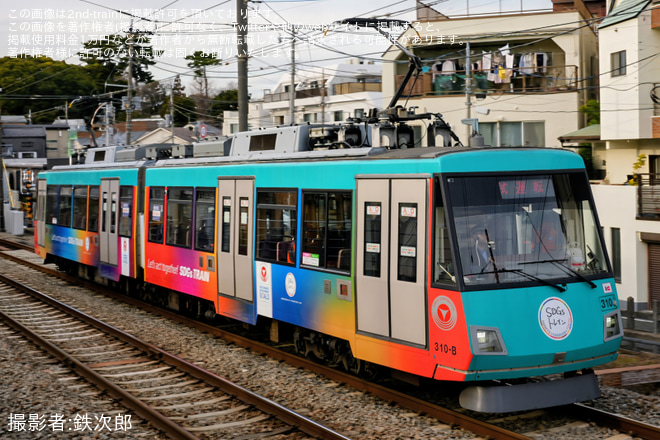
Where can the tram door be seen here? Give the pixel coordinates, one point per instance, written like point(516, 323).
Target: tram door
point(41, 212)
point(235, 238)
point(109, 231)
point(391, 251)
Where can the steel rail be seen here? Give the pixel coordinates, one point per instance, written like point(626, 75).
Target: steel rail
point(443, 415)
point(615, 421)
point(282, 413)
point(161, 422)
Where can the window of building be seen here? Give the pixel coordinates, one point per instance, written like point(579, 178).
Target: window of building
point(616, 254)
point(339, 116)
point(309, 117)
point(126, 211)
point(156, 213)
point(277, 225)
point(93, 220)
point(359, 113)
point(179, 216)
point(80, 207)
point(326, 241)
point(513, 134)
point(205, 219)
point(618, 63)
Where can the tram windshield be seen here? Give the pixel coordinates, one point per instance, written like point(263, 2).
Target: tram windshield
point(525, 228)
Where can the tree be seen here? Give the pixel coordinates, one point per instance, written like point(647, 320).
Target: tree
point(107, 59)
point(43, 87)
point(592, 110)
point(153, 96)
point(185, 110)
point(226, 100)
point(199, 62)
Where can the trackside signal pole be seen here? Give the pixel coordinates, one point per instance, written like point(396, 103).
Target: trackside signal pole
point(242, 21)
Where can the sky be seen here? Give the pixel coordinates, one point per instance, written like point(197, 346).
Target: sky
point(178, 28)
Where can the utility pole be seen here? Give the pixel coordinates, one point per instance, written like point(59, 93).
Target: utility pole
point(242, 22)
point(468, 87)
point(172, 113)
point(322, 96)
point(292, 87)
point(129, 94)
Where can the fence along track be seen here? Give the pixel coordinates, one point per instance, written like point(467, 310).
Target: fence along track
point(140, 376)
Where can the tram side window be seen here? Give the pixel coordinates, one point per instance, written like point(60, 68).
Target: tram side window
point(372, 238)
point(326, 241)
point(156, 212)
point(93, 221)
point(64, 212)
point(179, 217)
point(407, 270)
point(126, 211)
point(276, 225)
point(205, 219)
point(51, 204)
point(80, 207)
point(443, 269)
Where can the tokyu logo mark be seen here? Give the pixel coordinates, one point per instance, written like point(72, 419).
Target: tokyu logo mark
point(444, 313)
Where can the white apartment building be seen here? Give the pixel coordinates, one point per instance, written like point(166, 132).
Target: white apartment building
point(327, 94)
point(629, 54)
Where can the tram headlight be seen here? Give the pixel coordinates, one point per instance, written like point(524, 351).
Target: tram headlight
point(487, 340)
point(612, 324)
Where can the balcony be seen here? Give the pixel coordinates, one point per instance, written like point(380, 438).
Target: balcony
point(300, 94)
point(648, 196)
point(338, 89)
point(512, 80)
point(352, 87)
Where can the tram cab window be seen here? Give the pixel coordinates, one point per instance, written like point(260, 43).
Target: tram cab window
point(126, 211)
point(64, 209)
point(326, 239)
point(205, 219)
point(93, 220)
point(443, 267)
point(156, 213)
point(179, 217)
point(80, 207)
point(277, 225)
point(531, 228)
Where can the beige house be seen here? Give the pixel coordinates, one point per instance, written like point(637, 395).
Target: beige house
point(178, 135)
point(523, 75)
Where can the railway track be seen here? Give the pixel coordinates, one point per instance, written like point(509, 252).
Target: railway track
point(483, 426)
point(178, 397)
